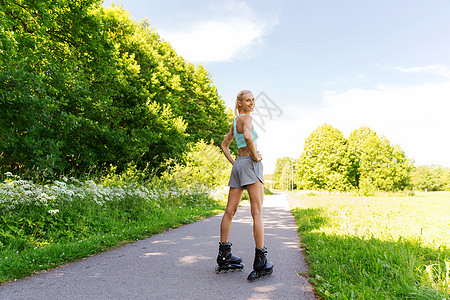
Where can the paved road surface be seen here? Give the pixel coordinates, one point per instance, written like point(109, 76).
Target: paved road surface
point(179, 264)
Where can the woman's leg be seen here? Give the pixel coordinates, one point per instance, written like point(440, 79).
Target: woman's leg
point(256, 193)
point(234, 197)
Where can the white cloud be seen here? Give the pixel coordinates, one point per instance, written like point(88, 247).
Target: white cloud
point(436, 69)
point(231, 31)
point(215, 40)
point(390, 108)
point(414, 117)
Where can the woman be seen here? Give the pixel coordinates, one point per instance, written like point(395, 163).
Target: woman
point(247, 173)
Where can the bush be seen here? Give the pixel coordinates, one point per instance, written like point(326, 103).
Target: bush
point(44, 225)
point(203, 165)
point(36, 215)
point(366, 188)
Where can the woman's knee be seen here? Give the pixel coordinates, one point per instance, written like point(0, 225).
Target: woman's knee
point(256, 211)
point(230, 211)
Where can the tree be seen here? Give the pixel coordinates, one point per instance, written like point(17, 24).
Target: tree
point(83, 86)
point(151, 70)
point(380, 166)
point(53, 62)
point(282, 174)
point(445, 179)
point(430, 178)
point(325, 162)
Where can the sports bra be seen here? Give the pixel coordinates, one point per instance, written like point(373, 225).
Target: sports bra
point(239, 137)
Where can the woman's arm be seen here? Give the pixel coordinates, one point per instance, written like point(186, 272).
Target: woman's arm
point(249, 139)
point(225, 145)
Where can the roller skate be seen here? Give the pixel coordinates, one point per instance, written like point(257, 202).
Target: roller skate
point(227, 262)
point(261, 266)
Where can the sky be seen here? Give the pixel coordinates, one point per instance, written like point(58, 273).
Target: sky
point(350, 63)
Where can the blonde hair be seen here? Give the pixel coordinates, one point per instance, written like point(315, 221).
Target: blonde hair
point(239, 99)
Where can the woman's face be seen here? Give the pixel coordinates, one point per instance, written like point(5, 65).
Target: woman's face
point(248, 102)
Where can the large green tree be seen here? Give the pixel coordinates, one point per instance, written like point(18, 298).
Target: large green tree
point(326, 162)
point(380, 165)
point(366, 161)
point(83, 86)
point(152, 71)
point(52, 54)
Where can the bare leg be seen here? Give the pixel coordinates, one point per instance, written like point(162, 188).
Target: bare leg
point(234, 197)
point(256, 193)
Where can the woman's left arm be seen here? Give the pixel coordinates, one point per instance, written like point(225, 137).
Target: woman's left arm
point(254, 154)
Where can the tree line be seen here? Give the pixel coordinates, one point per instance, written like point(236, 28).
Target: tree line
point(430, 178)
point(82, 85)
point(364, 161)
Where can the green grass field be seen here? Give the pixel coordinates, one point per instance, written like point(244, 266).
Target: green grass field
point(393, 247)
point(44, 226)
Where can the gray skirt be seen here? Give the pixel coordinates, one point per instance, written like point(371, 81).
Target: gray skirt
point(245, 171)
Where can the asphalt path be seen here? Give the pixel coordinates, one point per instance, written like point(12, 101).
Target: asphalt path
point(179, 264)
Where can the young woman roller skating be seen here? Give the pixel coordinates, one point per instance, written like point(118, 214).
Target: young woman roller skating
point(247, 173)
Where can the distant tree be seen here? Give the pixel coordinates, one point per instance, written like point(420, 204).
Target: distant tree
point(380, 166)
point(326, 162)
point(281, 175)
point(445, 179)
point(428, 178)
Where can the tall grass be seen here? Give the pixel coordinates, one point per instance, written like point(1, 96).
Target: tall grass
point(376, 247)
point(45, 225)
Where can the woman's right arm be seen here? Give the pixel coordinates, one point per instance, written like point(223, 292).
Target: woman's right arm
point(254, 154)
point(225, 145)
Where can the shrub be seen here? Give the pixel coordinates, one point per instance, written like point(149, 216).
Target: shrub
point(203, 165)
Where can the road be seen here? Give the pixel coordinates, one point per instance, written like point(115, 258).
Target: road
point(179, 264)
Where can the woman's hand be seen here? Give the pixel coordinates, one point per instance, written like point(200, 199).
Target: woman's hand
point(258, 156)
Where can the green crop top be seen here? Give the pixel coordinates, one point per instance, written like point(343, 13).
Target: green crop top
point(239, 137)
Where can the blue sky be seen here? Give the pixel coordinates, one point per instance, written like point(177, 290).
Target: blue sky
point(348, 63)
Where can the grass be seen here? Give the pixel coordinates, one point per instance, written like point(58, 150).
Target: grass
point(44, 226)
point(393, 247)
